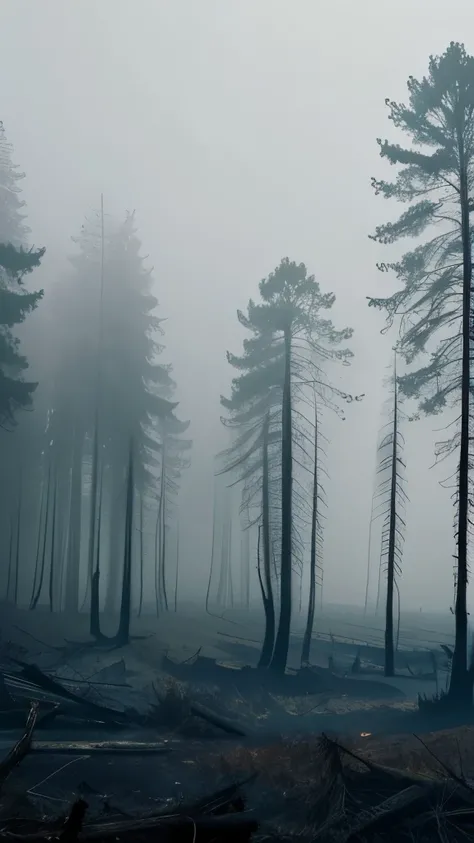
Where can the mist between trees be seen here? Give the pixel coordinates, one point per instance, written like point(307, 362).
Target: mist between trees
point(94, 453)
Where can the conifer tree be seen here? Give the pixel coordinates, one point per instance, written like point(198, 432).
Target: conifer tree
point(433, 303)
point(289, 343)
point(15, 304)
point(19, 453)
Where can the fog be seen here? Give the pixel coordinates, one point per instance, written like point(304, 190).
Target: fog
point(240, 132)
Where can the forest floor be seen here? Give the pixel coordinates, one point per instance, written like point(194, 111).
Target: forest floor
point(281, 744)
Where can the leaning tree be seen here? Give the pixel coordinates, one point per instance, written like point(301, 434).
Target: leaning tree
point(433, 304)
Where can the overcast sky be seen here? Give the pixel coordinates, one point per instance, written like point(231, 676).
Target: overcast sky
point(241, 131)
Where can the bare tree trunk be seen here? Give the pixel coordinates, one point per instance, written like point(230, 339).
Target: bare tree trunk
point(229, 562)
point(213, 547)
point(305, 652)
point(116, 533)
point(223, 586)
point(123, 634)
point(95, 580)
point(10, 560)
point(389, 669)
point(94, 625)
point(163, 557)
point(75, 521)
point(140, 600)
point(38, 543)
point(39, 589)
point(367, 582)
point(266, 585)
point(177, 570)
point(282, 642)
point(52, 567)
point(18, 534)
point(460, 688)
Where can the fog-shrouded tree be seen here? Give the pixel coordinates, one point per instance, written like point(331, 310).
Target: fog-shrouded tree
point(174, 460)
point(137, 392)
point(13, 228)
point(22, 432)
point(433, 304)
point(254, 456)
point(108, 390)
point(284, 356)
point(389, 508)
point(15, 303)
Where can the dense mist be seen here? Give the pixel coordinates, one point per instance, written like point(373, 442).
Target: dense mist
point(221, 139)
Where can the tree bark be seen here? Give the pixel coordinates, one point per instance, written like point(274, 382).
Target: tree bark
point(280, 653)
point(36, 597)
point(75, 523)
point(389, 667)
point(115, 540)
point(52, 567)
point(267, 591)
point(123, 634)
point(306, 648)
point(460, 688)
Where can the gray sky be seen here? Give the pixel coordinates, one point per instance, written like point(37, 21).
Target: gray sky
point(241, 131)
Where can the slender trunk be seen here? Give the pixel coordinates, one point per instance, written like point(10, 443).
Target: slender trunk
point(275, 574)
point(52, 567)
point(18, 533)
point(96, 492)
point(379, 583)
point(75, 520)
point(305, 651)
point(245, 568)
point(397, 640)
point(140, 600)
point(39, 589)
point(123, 634)
point(163, 557)
point(222, 588)
point(280, 653)
point(367, 582)
point(229, 562)
point(213, 548)
point(157, 556)
point(460, 688)
point(159, 539)
point(389, 668)
point(266, 586)
point(38, 542)
point(10, 559)
point(177, 571)
point(95, 579)
point(94, 622)
point(116, 532)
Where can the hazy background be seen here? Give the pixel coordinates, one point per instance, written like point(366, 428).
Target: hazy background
point(241, 131)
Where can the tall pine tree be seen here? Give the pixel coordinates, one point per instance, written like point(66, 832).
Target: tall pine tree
point(433, 303)
point(285, 354)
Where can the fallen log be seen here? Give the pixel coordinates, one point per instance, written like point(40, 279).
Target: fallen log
point(21, 748)
point(383, 817)
point(232, 828)
point(35, 676)
point(100, 748)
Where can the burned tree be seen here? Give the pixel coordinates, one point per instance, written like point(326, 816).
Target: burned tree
point(433, 305)
point(391, 508)
point(284, 355)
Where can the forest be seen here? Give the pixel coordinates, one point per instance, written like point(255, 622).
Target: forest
point(94, 447)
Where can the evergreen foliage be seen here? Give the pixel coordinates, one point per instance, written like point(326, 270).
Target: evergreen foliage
point(289, 344)
point(433, 303)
